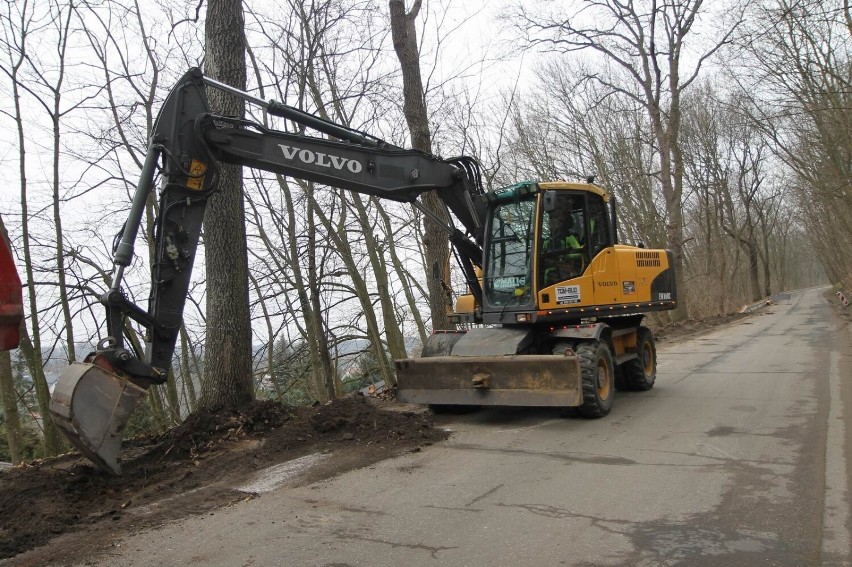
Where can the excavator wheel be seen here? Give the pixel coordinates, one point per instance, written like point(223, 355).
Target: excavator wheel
point(640, 373)
point(598, 378)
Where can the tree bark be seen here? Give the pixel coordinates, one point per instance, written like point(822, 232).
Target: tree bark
point(186, 373)
point(31, 350)
point(11, 419)
point(402, 273)
point(56, 89)
point(8, 395)
point(435, 242)
point(393, 334)
point(338, 237)
point(228, 379)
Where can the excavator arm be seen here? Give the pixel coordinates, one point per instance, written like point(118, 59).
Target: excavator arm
point(93, 400)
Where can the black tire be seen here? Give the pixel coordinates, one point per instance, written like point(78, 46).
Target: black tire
point(598, 377)
point(641, 373)
point(560, 348)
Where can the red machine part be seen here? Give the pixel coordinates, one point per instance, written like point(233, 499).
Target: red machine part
point(11, 299)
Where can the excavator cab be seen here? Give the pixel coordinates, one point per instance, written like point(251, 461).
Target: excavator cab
point(541, 235)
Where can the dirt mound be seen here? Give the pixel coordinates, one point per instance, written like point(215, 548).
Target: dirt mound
point(190, 469)
point(208, 427)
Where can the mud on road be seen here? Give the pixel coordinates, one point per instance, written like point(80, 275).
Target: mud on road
point(191, 469)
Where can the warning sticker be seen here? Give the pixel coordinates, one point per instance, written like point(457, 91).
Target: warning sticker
point(628, 288)
point(196, 170)
point(568, 294)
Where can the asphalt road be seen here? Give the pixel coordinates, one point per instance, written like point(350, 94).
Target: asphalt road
point(739, 456)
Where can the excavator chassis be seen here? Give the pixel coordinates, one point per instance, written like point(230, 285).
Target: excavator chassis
point(515, 380)
point(91, 406)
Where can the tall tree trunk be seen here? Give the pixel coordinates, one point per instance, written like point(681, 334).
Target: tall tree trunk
point(671, 182)
point(188, 384)
point(32, 356)
point(764, 257)
point(339, 238)
point(172, 395)
point(9, 398)
point(228, 378)
point(55, 115)
point(8, 395)
point(32, 349)
point(435, 242)
point(401, 271)
point(323, 374)
point(393, 334)
point(753, 269)
point(270, 339)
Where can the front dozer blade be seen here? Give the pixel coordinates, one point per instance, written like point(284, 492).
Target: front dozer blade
point(92, 406)
point(519, 380)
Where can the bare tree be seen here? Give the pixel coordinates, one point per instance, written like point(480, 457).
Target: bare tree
point(435, 243)
point(647, 42)
point(118, 131)
point(51, 75)
point(9, 399)
point(228, 376)
point(327, 246)
point(573, 128)
point(18, 18)
point(800, 88)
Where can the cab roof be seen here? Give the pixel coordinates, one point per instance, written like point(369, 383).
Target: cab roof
point(566, 185)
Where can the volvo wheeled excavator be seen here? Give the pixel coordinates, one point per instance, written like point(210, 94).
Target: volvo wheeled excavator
point(552, 314)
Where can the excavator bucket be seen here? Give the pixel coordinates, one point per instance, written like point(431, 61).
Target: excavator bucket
point(517, 380)
point(92, 406)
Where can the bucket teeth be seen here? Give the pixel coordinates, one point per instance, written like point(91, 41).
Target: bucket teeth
point(91, 406)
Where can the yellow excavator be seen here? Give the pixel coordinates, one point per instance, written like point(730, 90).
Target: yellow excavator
point(553, 309)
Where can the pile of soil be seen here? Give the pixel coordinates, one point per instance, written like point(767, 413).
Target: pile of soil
point(192, 469)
